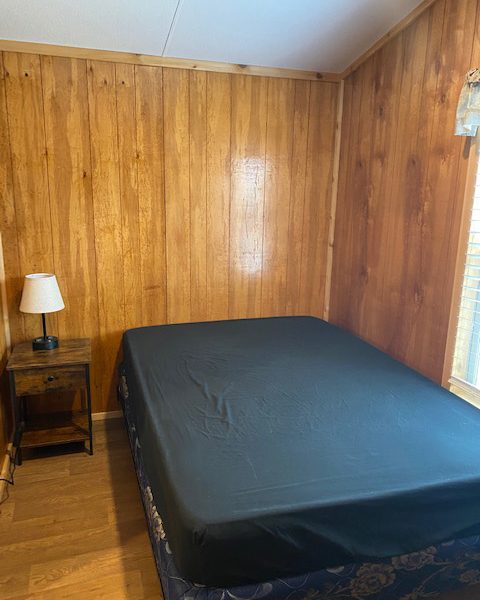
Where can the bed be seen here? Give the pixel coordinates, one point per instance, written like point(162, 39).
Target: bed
point(286, 458)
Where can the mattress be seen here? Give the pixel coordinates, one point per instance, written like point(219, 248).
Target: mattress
point(437, 569)
point(276, 447)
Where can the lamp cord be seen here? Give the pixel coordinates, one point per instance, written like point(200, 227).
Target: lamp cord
point(10, 479)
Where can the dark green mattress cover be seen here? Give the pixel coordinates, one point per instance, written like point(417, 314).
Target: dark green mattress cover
point(281, 446)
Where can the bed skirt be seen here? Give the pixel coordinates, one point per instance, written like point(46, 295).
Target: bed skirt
point(424, 574)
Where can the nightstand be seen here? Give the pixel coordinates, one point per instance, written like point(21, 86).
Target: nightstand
point(66, 368)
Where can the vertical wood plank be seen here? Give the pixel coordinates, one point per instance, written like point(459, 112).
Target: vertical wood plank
point(278, 179)
point(319, 169)
point(30, 180)
point(368, 210)
point(371, 186)
point(333, 203)
point(27, 139)
point(107, 221)
point(151, 183)
point(129, 191)
point(70, 184)
point(382, 157)
point(344, 259)
point(416, 207)
point(359, 181)
point(442, 207)
point(219, 87)
point(177, 193)
point(5, 346)
point(407, 178)
point(336, 305)
point(198, 195)
point(363, 231)
point(297, 197)
point(8, 221)
point(29, 170)
point(249, 118)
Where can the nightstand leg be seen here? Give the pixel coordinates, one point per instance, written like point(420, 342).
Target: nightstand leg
point(17, 419)
point(89, 408)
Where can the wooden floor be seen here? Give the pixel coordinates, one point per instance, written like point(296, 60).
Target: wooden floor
point(73, 528)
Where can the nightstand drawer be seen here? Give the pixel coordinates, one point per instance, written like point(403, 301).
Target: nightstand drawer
point(38, 381)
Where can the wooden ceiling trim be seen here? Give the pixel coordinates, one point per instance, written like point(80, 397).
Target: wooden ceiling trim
point(164, 61)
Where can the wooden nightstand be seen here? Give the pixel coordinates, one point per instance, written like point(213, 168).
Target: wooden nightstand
point(67, 368)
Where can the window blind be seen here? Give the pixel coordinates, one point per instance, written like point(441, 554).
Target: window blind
point(466, 361)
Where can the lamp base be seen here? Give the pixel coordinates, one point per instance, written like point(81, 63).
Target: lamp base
point(45, 343)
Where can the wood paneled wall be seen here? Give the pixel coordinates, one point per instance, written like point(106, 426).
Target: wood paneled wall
point(161, 195)
point(5, 417)
point(402, 178)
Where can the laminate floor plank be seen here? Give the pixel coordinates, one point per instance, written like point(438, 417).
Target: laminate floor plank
point(73, 526)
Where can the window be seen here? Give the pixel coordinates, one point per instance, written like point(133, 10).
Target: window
point(466, 361)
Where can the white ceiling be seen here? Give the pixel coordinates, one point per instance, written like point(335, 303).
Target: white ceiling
point(317, 35)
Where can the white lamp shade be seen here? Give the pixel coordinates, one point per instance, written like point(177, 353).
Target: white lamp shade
point(41, 294)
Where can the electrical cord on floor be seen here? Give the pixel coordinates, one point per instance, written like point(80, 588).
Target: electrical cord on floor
point(13, 454)
point(10, 480)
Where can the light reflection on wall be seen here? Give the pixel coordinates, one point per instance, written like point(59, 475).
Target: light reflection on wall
point(248, 184)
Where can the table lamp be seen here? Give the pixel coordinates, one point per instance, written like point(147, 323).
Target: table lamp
point(41, 295)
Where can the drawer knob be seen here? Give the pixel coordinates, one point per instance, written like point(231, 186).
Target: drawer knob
point(51, 378)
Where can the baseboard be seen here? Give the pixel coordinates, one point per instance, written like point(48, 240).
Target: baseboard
point(103, 416)
point(5, 472)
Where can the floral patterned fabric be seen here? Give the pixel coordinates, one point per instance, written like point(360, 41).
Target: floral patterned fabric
point(415, 576)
